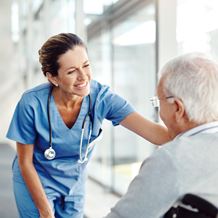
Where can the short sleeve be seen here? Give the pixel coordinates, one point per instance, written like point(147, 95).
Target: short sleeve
point(113, 107)
point(22, 128)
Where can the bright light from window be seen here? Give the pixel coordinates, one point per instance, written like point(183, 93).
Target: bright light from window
point(141, 34)
point(96, 7)
point(36, 4)
point(93, 7)
point(15, 21)
point(193, 26)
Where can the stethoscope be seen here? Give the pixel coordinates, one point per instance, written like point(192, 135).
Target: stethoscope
point(50, 153)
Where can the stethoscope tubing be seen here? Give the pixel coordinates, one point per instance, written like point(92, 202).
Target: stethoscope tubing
point(50, 153)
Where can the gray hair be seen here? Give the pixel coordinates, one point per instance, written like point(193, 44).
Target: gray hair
point(193, 78)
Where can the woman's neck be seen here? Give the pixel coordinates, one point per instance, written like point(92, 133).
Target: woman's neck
point(64, 99)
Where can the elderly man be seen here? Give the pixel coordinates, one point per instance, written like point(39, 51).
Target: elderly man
point(188, 97)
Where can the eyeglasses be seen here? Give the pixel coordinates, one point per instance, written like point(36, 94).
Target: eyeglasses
point(155, 101)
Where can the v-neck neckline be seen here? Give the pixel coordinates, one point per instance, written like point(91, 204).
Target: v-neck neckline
point(56, 111)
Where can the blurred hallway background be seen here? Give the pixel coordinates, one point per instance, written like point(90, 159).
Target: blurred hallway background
point(11, 78)
point(128, 42)
point(10, 87)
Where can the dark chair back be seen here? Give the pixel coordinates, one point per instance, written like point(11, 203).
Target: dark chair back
point(193, 206)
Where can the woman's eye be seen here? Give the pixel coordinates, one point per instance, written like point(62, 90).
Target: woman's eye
point(87, 65)
point(70, 72)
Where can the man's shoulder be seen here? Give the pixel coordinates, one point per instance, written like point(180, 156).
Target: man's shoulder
point(190, 148)
point(202, 139)
point(192, 140)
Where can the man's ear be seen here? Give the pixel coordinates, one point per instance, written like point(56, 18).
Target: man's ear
point(180, 109)
point(52, 79)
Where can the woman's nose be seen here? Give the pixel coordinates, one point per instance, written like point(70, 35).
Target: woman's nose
point(81, 74)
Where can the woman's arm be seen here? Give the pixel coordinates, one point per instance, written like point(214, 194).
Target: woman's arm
point(31, 178)
point(153, 132)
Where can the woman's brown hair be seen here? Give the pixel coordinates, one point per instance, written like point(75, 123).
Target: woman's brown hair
point(53, 48)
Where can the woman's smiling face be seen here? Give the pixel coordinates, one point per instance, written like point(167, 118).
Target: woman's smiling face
point(74, 73)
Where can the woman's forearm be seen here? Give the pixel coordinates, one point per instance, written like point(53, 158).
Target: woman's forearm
point(31, 178)
point(153, 132)
point(36, 190)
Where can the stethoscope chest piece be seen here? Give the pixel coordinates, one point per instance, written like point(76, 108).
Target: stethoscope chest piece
point(50, 153)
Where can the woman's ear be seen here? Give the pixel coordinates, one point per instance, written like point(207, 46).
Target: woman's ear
point(180, 110)
point(52, 79)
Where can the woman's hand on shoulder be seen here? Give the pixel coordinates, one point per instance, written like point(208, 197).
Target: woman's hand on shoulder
point(151, 131)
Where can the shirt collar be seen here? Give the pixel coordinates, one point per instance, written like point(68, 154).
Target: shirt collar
point(211, 127)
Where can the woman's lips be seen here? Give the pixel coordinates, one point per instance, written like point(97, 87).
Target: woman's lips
point(81, 85)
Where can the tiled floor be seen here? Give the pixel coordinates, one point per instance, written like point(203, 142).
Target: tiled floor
point(98, 200)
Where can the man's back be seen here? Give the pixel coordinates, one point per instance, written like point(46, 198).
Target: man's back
point(188, 164)
point(195, 159)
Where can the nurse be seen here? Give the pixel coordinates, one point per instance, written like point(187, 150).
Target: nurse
point(55, 126)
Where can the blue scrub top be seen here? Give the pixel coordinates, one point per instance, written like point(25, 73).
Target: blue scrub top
point(30, 126)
